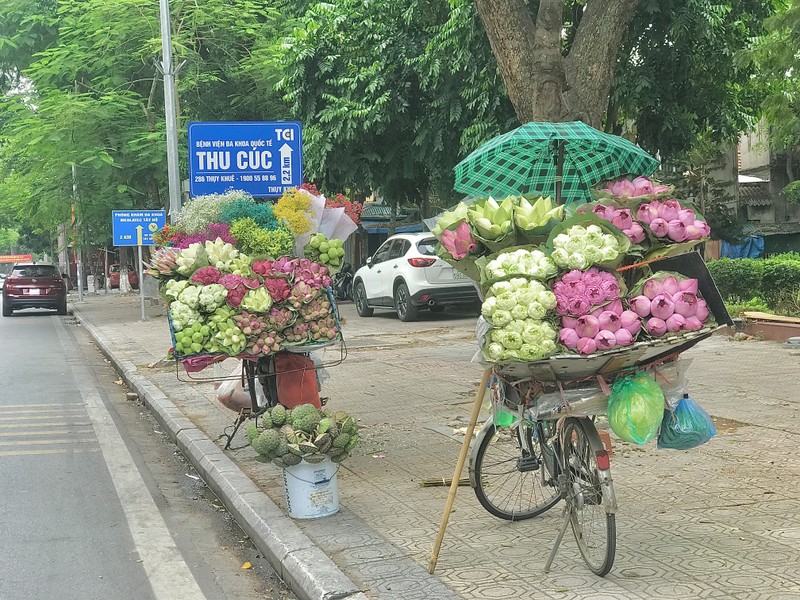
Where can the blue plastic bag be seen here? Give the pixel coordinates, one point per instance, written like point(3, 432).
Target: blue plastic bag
point(688, 426)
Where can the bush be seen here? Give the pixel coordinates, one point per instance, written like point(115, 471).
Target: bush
point(781, 282)
point(736, 309)
point(738, 278)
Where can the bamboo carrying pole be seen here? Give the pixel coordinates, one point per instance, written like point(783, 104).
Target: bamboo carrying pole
point(448, 507)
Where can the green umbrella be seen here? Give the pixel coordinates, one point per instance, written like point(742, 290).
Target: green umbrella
point(530, 158)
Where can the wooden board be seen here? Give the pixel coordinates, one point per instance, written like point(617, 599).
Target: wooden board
point(760, 316)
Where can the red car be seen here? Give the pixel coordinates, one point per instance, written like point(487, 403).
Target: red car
point(113, 277)
point(34, 286)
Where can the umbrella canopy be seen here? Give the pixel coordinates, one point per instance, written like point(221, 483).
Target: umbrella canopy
point(528, 159)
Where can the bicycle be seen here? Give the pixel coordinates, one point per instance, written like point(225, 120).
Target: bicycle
point(523, 469)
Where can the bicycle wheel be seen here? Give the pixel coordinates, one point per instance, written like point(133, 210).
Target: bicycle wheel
point(592, 523)
point(509, 481)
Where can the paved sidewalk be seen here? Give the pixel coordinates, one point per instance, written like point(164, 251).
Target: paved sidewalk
point(720, 521)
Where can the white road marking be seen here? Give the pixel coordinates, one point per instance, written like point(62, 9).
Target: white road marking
point(166, 570)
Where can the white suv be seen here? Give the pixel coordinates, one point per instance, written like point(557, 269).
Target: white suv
point(406, 275)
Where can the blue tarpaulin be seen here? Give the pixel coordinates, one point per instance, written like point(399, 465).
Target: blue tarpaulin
point(751, 247)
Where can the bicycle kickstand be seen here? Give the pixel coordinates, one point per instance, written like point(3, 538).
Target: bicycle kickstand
point(566, 519)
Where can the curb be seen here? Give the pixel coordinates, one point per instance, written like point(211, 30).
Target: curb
point(305, 569)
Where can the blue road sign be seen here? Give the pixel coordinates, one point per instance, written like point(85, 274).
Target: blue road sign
point(136, 227)
point(262, 158)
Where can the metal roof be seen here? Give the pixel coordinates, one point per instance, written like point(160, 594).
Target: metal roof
point(755, 194)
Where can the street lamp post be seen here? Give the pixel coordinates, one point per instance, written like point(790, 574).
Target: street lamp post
point(169, 72)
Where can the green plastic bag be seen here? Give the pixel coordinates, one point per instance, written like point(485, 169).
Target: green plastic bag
point(688, 427)
point(635, 408)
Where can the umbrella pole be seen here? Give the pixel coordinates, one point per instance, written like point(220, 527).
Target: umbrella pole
point(448, 508)
point(559, 169)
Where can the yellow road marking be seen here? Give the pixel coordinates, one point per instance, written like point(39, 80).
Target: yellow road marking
point(40, 452)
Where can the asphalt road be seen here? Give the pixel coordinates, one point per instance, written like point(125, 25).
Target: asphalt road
point(95, 502)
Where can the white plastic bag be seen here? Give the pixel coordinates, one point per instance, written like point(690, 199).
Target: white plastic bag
point(233, 394)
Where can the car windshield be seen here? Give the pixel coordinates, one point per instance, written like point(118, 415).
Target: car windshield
point(35, 271)
point(427, 247)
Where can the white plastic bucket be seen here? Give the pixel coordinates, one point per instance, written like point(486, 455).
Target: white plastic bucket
point(311, 490)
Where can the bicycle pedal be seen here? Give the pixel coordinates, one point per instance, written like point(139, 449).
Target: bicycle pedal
point(529, 463)
point(323, 400)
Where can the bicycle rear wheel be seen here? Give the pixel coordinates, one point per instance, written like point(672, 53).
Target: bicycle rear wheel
point(509, 481)
point(592, 521)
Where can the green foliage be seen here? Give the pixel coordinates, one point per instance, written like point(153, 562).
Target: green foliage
point(737, 278)
point(792, 192)
point(755, 283)
point(676, 76)
point(735, 309)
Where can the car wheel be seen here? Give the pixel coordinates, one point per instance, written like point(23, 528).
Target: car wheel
point(62, 308)
point(406, 311)
point(362, 307)
point(436, 308)
point(7, 310)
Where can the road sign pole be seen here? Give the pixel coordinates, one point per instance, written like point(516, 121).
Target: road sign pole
point(141, 282)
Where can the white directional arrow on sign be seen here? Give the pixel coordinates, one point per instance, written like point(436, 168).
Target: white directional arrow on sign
point(286, 164)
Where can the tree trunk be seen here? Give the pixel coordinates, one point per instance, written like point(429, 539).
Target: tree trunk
point(541, 84)
point(528, 55)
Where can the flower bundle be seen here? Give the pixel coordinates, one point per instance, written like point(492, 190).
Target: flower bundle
point(622, 219)
point(532, 263)
point(459, 241)
point(669, 221)
point(579, 246)
point(605, 328)
point(641, 186)
point(670, 303)
point(579, 292)
point(491, 220)
point(255, 311)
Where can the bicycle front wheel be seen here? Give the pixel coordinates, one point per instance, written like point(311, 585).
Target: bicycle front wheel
point(511, 471)
point(592, 523)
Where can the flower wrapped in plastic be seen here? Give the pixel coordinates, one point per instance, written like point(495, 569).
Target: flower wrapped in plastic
point(628, 192)
point(527, 261)
point(190, 259)
point(520, 341)
point(669, 303)
point(584, 241)
point(492, 222)
point(534, 220)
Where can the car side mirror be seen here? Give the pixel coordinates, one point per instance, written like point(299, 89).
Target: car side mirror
point(369, 262)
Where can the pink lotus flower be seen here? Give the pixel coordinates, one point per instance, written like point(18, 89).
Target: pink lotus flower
point(575, 289)
point(692, 324)
point(630, 321)
point(676, 231)
point(622, 219)
point(587, 326)
point(569, 337)
point(278, 288)
point(686, 216)
point(605, 340)
point(652, 288)
point(693, 233)
point(587, 345)
point(611, 289)
point(688, 285)
point(595, 295)
point(623, 337)
point(575, 275)
point(685, 304)
point(593, 277)
point(640, 305)
point(705, 230)
point(609, 321)
point(660, 189)
point(623, 187)
point(578, 306)
point(615, 306)
point(675, 323)
point(659, 227)
point(669, 210)
point(648, 212)
point(702, 311)
point(670, 285)
point(206, 275)
point(460, 242)
point(604, 212)
point(568, 322)
point(635, 233)
point(643, 186)
point(656, 326)
point(662, 307)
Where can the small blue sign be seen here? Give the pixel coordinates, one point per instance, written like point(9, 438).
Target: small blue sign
point(263, 158)
point(136, 227)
